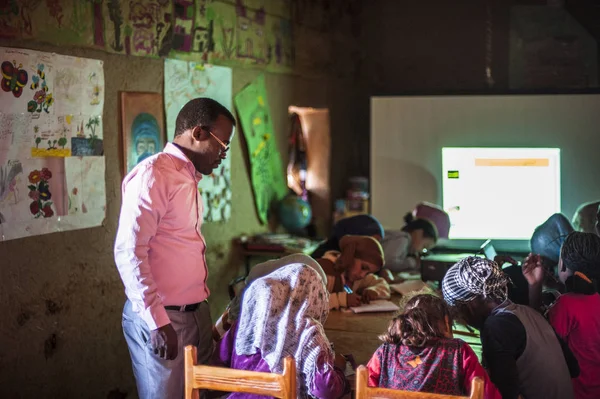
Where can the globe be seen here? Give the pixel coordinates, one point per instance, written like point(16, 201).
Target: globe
point(294, 213)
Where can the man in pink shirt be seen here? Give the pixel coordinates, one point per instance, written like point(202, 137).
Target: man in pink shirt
point(159, 250)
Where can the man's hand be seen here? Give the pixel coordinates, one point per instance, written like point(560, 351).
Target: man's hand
point(352, 300)
point(533, 270)
point(368, 296)
point(164, 342)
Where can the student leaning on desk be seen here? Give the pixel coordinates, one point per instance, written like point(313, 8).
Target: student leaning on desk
point(350, 272)
point(403, 247)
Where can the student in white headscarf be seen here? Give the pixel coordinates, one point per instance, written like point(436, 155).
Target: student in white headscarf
point(282, 314)
point(232, 311)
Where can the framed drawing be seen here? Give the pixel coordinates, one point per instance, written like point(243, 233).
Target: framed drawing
point(142, 127)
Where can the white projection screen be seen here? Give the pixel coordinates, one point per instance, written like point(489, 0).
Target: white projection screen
point(410, 134)
point(517, 170)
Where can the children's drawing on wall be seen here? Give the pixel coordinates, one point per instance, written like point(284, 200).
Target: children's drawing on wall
point(31, 190)
point(95, 90)
point(42, 126)
point(66, 81)
point(40, 94)
point(266, 168)
point(42, 97)
point(85, 187)
point(250, 33)
point(78, 82)
point(17, 70)
point(87, 138)
point(9, 173)
point(63, 22)
point(185, 81)
point(241, 32)
point(136, 27)
point(39, 193)
point(51, 137)
point(256, 33)
point(142, 122)
point(14, 78)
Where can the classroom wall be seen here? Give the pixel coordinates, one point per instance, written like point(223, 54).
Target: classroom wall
point(429, 45)
point(61, 296)
point(408, 134)
point(435, 47)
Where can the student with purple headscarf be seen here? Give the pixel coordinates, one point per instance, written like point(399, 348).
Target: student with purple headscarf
point(283, 314)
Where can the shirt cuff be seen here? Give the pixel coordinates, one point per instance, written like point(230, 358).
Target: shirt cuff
point(155, 317)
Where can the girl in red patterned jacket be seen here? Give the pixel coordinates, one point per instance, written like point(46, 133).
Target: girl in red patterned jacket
point(419, 353)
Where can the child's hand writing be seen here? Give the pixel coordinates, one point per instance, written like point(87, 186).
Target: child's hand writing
point(368, 296)
point(352, 300)
point(387, 275)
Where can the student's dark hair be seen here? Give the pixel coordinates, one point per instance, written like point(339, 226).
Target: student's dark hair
point(580, 253)
point(200, 111)
point(423, 320)
point(412, 224)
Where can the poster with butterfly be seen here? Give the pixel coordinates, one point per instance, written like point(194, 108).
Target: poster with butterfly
point(17, 74)
point(50, 117)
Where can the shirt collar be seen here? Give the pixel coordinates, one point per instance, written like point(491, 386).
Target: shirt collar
point(181, 160)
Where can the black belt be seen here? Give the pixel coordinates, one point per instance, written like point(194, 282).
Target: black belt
point(185, 308)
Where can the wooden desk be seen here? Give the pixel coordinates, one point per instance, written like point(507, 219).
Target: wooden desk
point(357, 334)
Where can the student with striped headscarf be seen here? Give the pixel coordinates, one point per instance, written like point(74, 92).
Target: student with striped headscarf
point(523, 354)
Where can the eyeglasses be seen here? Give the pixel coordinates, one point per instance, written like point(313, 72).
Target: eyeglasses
point(221, 143)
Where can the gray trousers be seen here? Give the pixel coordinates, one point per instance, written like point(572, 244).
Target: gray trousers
point(157, 378)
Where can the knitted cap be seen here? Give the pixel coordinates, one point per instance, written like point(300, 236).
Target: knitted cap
point(365, 248)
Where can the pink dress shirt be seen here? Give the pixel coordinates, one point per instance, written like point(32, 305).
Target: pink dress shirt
point(159, 249)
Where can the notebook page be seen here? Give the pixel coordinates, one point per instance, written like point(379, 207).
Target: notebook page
point(376, 306)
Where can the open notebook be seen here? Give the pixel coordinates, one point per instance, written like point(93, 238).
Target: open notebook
point(376, 306)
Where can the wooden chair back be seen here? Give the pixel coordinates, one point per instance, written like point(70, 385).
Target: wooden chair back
point(364, 391)
point(232, 380)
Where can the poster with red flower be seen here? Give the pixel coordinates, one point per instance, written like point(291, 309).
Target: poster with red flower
point(47, 102)
point(39, 193)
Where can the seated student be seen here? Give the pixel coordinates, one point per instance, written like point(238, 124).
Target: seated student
point(350, 272)
point(584, 219)
point(402, 248)
point(419, 353)
point(359, 225)
point(576, 315)
point(545, 242)
point(523, 354)
point(232, 311)
point(435, 214)
point(282, 315)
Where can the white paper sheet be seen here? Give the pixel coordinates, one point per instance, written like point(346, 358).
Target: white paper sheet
point(376, 306)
